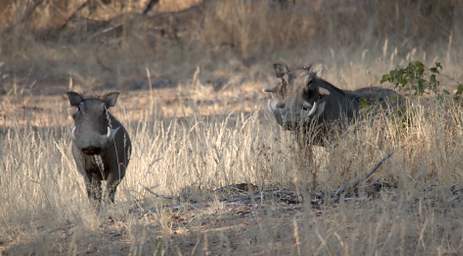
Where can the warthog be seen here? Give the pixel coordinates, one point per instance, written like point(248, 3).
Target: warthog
point(100, 144)
point(303, 102)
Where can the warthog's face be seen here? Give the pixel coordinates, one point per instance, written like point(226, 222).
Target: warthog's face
point(297, 98)
point(92, 129)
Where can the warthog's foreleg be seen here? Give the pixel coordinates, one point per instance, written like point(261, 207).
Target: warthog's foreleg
point(112, 182)
point(93, 186)
point(111, 188)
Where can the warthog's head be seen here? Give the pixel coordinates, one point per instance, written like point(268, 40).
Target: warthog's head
point(299, 97)
point(92, 129)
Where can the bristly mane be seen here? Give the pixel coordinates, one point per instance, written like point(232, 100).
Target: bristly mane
point(326, 83)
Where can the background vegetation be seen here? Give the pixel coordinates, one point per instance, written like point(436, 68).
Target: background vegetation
point(191, 74)
point(109, 43)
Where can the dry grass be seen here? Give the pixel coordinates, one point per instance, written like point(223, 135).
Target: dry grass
point(197, 135)
point(45, 210)
point(247, 26)
point(175, 5)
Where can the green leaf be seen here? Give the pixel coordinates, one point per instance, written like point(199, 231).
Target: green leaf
point(459, 91)
point(364, 103)
point(385, 78)
point(418, 79)
point(439, 65)
point(436, 68)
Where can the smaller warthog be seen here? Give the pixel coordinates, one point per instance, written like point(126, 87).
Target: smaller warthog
point(100, 144)
point(303, 102)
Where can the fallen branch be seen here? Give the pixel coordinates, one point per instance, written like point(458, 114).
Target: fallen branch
point(158, 195)
point(346, 185)
point(105, 30)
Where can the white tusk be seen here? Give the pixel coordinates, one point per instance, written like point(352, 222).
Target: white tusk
point(108, 132)
point(73, 133)
point(313, 109)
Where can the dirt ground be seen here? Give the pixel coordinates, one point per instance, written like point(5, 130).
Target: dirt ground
point(54, 110)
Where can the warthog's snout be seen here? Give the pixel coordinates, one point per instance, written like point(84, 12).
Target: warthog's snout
point(108, 135)
point(91, 142)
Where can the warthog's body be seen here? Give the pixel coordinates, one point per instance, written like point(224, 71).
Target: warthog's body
point(305, 103)
point(100, 144)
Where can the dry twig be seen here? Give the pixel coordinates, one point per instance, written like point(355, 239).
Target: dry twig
point(346, 185)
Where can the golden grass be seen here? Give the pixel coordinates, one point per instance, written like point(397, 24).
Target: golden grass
point(45, 210)
point(175, 5)
point(182, 101)
point(191, 138)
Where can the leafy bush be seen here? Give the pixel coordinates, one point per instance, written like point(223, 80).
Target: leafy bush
point(415, 78)
point(418, 79)
point(459, 92)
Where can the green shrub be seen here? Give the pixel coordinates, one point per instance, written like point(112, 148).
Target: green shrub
point(417, 79)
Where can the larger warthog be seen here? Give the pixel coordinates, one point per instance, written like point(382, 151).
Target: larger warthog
point(303, 102)
point(100, 144)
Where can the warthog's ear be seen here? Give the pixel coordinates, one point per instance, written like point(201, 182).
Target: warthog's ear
point(281, 69)
point(74, 98)
point(308, 67)
point(323, 92)
point(110, 99)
